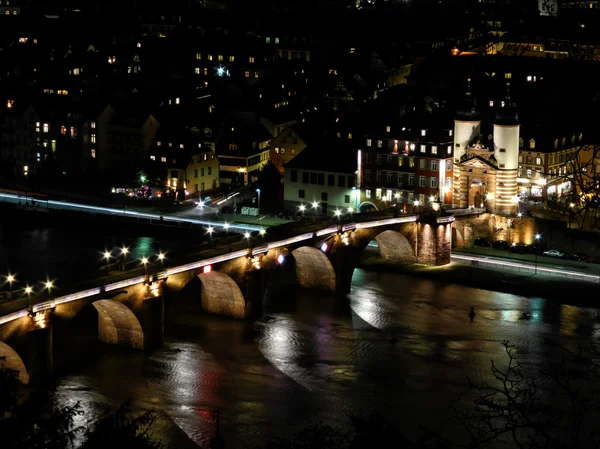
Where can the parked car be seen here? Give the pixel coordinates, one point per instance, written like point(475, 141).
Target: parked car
point(553, 253)
point(518, 248)
point(500, 244)
point(482, 242)
point(578, 256)
point(533, 249)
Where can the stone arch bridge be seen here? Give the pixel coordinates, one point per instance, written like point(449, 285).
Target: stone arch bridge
point(130, 311)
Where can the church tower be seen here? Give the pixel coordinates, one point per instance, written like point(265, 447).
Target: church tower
point(506, 152)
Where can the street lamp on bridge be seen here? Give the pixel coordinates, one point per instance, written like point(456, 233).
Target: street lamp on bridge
point(537, 239)
point(107, 255)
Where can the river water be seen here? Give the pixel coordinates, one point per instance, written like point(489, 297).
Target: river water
point(398, 345)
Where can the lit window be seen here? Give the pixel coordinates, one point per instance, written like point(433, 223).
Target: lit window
point(491, 103)
point(378, 194)
point(158, 143)
point(247, 74)
point(163, 159)
point(93, 138)
point(46, 127)
point(35, 41)
point(170, 145)
point(37, 127)
point(25, 170)
point(255, 74)
point(220, 58)
point(349, 135)
point(181, 146)
point(251, 60)
point(379, 144)
point(276, 40)
point(198, 56)
point(450, 132)
point(508, 76)
point(529, 78)
point(423, 147)
point(139, 45)
point(76, 71)
point(205, 71)
point(93, 153)
point(93, 125)
point(73, 131)
point(177, 100)
point(433, 149)
point(423, 132)
point(152, 158)
point(63, 130)
point(367, 193)
point(268, 40)
point(388, 129)
point(210, 57)
point(368, 142)
point(449, 149)
point(197, 70)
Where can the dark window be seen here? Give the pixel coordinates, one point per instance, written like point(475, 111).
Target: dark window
point(300, 193)
point(323, 196)
point(321, 177)
point(341, 181)
point(210, 170)
point(294, 175)
point(305, 177)
point(174, 174)
point(346, 199)
point(502, 150)
point(350, 182)
point(313, 178)
point(330, 180)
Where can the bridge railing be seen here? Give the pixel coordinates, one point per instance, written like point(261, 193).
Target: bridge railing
point(467, 211)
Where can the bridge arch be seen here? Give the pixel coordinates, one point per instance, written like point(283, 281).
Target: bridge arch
point(118, 325)
point(313, 269)
point(12, 361)
point(367, 205)
point(395, 248)
point(221, 295)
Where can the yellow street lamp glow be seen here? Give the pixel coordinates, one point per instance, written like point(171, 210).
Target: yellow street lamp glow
point(10, 278)
point(519, 215)
point(144, 260)
point(262, 232)
point(49, 284)
point(226, 225)
point(107, 255)
point(572, 205)
point(302, 207)
point(210, 230)
point(315, 204)
point(161, 256)
point(28, 290)
point(417, 203)
point(338, 213)
point(247, 235)
point(124, 250)
point(350, 210)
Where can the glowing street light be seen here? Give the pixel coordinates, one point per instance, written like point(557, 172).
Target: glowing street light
point(161, 257)
point(145, 262)
point(246, 235)
point(519, 215)
point(106, 256)
point(258, 191)
point(338, 212)
point(10, 279)
point(48, 286)
point(28, 291)
point(416, 203)
point(350, 210)
point(262, 232)
point(315, 205)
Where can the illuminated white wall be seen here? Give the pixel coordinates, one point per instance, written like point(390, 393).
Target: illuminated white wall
point(464, 132)
point(336, 196)
point(506, 138)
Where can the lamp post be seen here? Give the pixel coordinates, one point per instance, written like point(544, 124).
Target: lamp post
point(258, 191)
point(124, 252)
point(161, 257)
point(145, 263)
point(10, 279)
point(48, 285)
point(315, 206)
point(107, 256)
point(247, 237)
point(302, 209)
point(338, 213)
point(416, 203)
point(28, 291)
point(537, 239)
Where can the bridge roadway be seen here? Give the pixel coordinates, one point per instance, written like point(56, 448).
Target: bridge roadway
point(14, 198)
point(300, 232)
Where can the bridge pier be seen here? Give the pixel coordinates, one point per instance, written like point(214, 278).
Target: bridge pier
point(434, 242)
point(346, 260)
point(40, 359)
point(153, 322)
point(254, 292)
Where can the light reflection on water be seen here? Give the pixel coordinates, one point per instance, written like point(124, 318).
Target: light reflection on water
point(403, 347)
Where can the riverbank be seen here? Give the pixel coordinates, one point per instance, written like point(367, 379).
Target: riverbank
point(563, 291)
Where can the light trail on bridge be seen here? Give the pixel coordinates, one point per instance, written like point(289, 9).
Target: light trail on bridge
point(542, 269)
point(132, 213)
point(249, 252)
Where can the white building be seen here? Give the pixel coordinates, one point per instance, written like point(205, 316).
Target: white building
point(322, 179)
